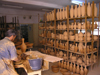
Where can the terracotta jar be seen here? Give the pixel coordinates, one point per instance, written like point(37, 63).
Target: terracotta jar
point(83, 9)
point(65, 66)
point(95, 10)
point(71, 11)
point(63, 13)
point(74, 68)
point(71, 68)
point(59, 64)
point(66, 13)
point(68, 65)
point(62, 64)
point(76, 48)
point(79, 11)
point(89, 9)
point(23, 46)
point(77, 70)
point(85, 70)
point(82, 71)
point(76, 11)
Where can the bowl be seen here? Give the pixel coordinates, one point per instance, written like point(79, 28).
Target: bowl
point(55, 70)
point(66, 73)
point(63, 70)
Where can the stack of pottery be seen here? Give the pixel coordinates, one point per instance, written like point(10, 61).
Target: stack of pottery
point(76, 37)
point(65, 57)
point(66, 45)
point(88, 25)
point(80, 35)
point(72, 37)
point(49, 34)
point(52, 35)
point(52, 42)
point(64, 26)
point(80, 47)
point(55, 68)
point(73, 58)
point(83, 25)
point(76, 48)
point(75, 25)
point(95, 25)
point(79, 26)
point(71, 26)
point(52, 52)
point(60, 54)
point(88, 38)
point(65, 35)
point(79, 61)
point(72, 47)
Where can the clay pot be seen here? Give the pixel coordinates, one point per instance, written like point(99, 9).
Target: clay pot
point(63, 70)
point(66, 73)
point(23, 46)
point(30, 45)
point(71, 68)
point(55, 68)
point(77, 70)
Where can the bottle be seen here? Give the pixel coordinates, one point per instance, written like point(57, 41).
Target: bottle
point(85, 70)
point(63, 13)
point(77, 70)
point(83, 9)
point(23, 46)
point(89, 9)
point(76, 11)
point(82, 71)
point(74, 68)
point(79, 11)
point(71, 12)
point(71, 68)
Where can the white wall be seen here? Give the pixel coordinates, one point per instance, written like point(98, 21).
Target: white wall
point(9, 13)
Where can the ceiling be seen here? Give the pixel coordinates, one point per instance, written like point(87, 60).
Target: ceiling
point(38, 5)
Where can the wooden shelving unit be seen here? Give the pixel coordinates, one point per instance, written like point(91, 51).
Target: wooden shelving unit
point(68, 51)
point(4, 26)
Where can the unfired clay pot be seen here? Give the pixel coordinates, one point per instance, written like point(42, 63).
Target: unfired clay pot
point(23, 46)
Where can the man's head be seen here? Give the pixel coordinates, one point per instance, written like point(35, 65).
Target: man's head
point(11, 34)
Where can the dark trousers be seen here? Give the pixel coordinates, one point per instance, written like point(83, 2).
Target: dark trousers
point(21, 71)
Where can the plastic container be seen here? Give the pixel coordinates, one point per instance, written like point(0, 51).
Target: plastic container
point(35, 64)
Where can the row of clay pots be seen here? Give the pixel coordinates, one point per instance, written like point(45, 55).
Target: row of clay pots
point(74, 12)
point(50, 16)
point(82, 25)
point(73, 68)
point(60, 26)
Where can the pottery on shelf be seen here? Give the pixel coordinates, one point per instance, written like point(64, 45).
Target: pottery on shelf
point(74, 68)
point(89, 9)
point(55, 68)
point(66, 13)
point(23, 46)
point(95, 10)
point(79, 25)
point(71, 11)
point(71, 68)
point(65, 66)
point(76, 11)
point(85, 70)
point(83, 9)
point(79, 11)
point(82, 71)
point(78, 69)
point(68, 65)
point(63, 13)
point(63, 70)
point(76, 48)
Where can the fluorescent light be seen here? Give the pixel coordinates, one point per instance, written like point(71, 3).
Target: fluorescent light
point(12, 6)
point(38, 3)
point(76, 2)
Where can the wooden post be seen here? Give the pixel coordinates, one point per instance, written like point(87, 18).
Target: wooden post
point(85, 30)
point(55, 27)
point(68, 29)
